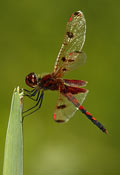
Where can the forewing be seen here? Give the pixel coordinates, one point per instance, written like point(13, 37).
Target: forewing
point(66, 106)
point(75, 83)
point(70, 54)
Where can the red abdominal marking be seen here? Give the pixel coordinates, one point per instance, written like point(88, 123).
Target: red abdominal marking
point(70, 18)
point(82, 108)
point(90, 115)
point(93, 118)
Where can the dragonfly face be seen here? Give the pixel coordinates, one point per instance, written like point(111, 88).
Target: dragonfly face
point(71, 95)
point(31, 80)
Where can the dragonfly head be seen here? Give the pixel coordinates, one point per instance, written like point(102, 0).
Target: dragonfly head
point(31, 80)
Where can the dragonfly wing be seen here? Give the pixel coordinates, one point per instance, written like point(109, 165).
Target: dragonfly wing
point(66, 108)
point(70, 53)
point(75, 83)
point(73, 60)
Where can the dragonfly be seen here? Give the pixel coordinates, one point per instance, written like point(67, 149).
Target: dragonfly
point(71, 92)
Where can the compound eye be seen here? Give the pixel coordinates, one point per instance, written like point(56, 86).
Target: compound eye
point(31, 79)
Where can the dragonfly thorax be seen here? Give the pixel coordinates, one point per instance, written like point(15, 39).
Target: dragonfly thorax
point(49, 82)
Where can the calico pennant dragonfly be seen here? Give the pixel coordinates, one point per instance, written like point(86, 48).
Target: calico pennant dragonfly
point(71, 92)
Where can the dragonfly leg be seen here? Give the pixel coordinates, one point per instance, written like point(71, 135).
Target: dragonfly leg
point(39, 103)
point(38, 99)
point(28, 90)
point(32, 95)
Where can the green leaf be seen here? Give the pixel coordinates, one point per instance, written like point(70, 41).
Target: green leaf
point(13, 155)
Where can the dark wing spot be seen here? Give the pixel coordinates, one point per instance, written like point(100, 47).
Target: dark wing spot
point(70, 60)
point(63, 59)
point(64, 69)
point(60, 121)
point(76, 13)
point(61, 106)
point(77, 51)
point(70, 34)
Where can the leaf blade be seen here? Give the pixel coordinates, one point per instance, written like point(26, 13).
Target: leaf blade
point(13, 155)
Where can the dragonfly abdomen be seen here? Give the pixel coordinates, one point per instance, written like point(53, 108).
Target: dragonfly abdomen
point(90, 117)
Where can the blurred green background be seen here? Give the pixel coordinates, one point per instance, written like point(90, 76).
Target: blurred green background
point(31, 34)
